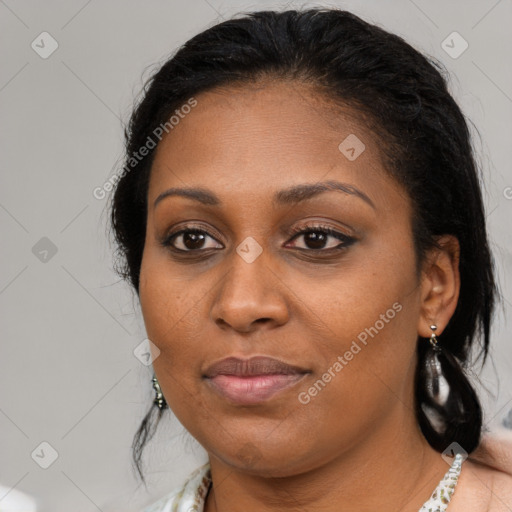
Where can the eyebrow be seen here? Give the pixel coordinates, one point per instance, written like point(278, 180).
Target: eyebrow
point(292, 195)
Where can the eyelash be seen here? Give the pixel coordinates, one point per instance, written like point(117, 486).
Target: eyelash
point(319, 228)
point(346, 240)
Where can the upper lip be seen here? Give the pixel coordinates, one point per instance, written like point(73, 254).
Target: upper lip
point(258, 365)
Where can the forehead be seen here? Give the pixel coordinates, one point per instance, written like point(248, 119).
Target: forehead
point(246, 141)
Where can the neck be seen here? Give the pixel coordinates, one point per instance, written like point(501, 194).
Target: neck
point(394, 469)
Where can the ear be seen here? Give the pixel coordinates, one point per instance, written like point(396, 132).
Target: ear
point(440, 286)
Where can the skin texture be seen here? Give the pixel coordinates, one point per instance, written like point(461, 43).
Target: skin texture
point(356, 444)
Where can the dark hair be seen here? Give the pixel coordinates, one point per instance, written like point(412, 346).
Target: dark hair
point(403, 97)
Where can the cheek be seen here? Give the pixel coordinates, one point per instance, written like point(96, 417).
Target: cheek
point(172, 321)
point(169, 307)
point(370, 312)
point(368, 374)
point(360, 296)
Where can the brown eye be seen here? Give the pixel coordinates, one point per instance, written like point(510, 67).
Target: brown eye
point(322, 238)
point(190, 240)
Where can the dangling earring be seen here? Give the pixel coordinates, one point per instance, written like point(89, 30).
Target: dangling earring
point(437, 385)
point(448, 407)
point(159, 397)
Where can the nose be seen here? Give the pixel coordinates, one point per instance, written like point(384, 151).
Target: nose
point(250, 295)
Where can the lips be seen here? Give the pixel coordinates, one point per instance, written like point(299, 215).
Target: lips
point(258, 365)
point(252, 381)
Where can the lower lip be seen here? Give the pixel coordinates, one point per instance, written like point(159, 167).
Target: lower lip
point(252, 390)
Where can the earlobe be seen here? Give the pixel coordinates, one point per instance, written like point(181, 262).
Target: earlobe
point(440, 285)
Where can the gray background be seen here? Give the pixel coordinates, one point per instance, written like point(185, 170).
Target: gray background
point(68, 373)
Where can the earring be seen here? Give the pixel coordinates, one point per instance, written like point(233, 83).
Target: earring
point(159, 399)
point(433, 339)
point(447, 405)
point(436, 383)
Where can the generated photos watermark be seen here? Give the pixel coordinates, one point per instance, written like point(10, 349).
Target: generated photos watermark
point(143, 151)
point(305, 397)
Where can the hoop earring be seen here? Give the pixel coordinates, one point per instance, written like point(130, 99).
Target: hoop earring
point(159, 399)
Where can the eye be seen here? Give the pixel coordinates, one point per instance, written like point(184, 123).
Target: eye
point(190, 240)
point(317, 238)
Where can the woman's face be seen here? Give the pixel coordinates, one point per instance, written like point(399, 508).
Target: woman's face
point(343, 308)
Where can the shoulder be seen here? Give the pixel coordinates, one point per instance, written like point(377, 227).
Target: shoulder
point(486, 478)
point(190, 494)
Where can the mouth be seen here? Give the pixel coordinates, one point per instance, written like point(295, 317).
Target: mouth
point(252, 381)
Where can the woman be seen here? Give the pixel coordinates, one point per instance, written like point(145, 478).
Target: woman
point(300, 215)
